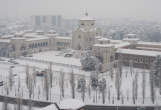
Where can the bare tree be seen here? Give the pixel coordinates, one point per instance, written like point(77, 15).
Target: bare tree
point(34, 76)
point(30, 86)
point(27, 75)
point(109, 94)
point(19, 100)
point(82, 87)
point(61, 82)
point(131, 66)
point(135, 88)
point(143, 85)
point(118, 82)
point(133, 91)
point(51, 74)
point(102, 88)
point(94, 84)
point(10, 78)
point(46, 85)
point(72, 83)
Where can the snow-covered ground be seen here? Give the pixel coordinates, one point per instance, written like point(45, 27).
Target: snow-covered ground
point(55, 94)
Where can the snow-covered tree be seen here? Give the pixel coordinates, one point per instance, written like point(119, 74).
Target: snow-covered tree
point(89, 62)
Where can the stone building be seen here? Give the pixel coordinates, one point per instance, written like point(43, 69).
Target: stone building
point(28, 43)
point(84, 37)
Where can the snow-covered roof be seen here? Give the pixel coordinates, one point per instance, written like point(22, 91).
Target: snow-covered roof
point(149, 43)
point(50, 107)
point(18, 38)
point(138, 52)
point(103, 45)
point(71, 104)
point(103, 39)
point(39, 38)
point(5, 40)
point(132, 39)
point(130, 34)
point(63, 37)
point(98, 37)
point(7, 36)
point(122, 44)
point(33, 35)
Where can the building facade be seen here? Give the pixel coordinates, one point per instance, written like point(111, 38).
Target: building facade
point(84, 37)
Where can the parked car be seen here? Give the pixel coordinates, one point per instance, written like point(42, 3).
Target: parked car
point(68, 55)
point(12, 61)
point(12, 66)
point(41, 73)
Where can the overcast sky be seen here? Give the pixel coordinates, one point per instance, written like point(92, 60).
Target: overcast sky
point(148, 9)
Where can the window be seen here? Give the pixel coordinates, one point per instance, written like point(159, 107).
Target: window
point(44, 19)
point(79, 36)
point(82, 24)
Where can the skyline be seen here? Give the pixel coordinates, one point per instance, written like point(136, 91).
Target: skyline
point(139, 9)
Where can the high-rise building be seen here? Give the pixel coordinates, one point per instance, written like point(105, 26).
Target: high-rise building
point(44, 21)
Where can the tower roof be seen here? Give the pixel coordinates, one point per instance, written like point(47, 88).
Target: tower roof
point(87, 18)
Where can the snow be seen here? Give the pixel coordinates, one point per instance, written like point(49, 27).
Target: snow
point(71, 104)
point(57, 57)
point(103, 45)
point(63, 37)
point(55, 91)
point(138, 52)
point(50, 107)
point(119, 45)
point(103, 39)
point(5, 40)
point(149, 43)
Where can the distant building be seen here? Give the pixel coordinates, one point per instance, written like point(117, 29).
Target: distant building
point(47, 21)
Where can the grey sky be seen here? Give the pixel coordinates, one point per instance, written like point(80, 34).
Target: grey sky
point(149, 9)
